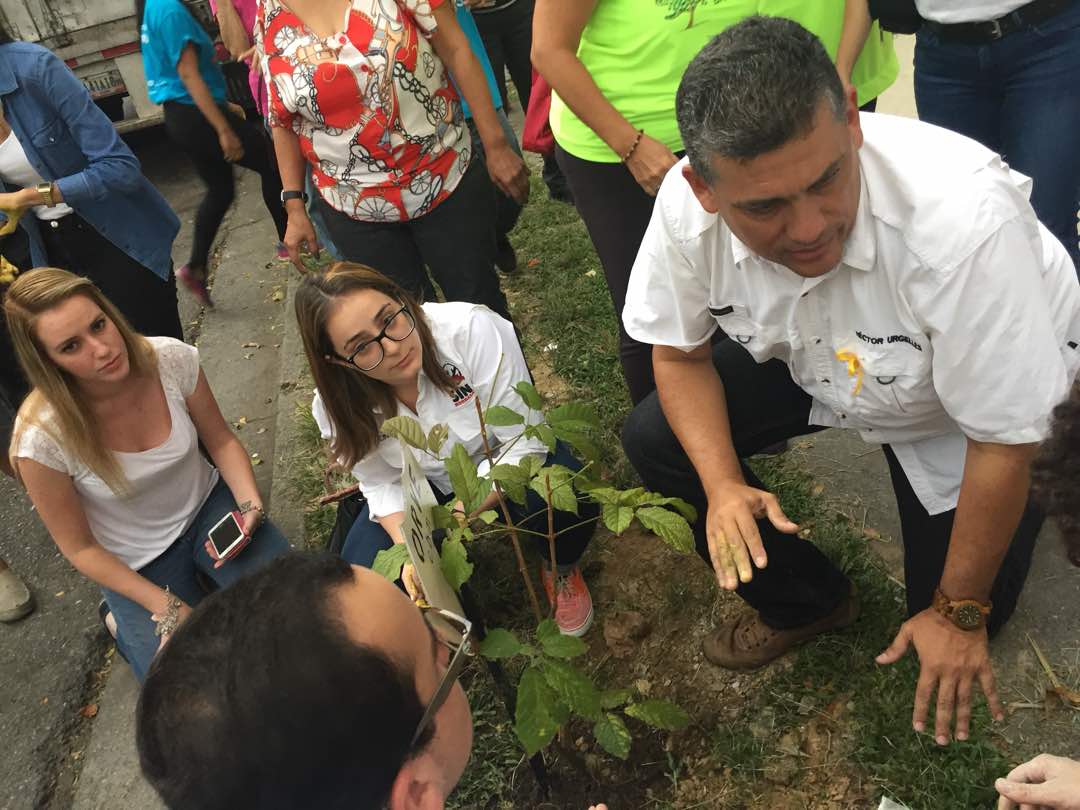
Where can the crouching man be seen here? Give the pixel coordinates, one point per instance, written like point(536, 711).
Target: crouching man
point(874, 273)
point(310, 684)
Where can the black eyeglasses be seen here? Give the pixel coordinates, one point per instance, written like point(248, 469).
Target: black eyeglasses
point(367, 355)
point(455, 633)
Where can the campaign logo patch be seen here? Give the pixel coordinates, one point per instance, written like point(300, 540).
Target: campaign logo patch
point(463, 392)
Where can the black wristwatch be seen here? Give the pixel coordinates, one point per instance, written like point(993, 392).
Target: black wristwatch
point(294, 195)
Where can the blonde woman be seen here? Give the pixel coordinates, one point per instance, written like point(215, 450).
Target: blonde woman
point(375, 353)
point(107, 446)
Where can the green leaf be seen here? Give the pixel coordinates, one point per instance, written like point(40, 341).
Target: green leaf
point(612, 735)
point(610, 698)
point(405, 428)
point(455, 564)
point(573, 416)
point(617, 518)
point(678, 504)
point(512, 480)
point(467, 485)
point(538, 711)
point(671, 527)
point(546, 629)
point(531, 465)
point(632, 497)
point(579, 441)
point(529, 395)
point(605, 495)
point(560, 646)
point(501, 416)
point(659, 714)
point(436, 438)
point(500, 643)
point(389, 561)
point(563, 497)
point(488, 517)
point(573, 688)
point(543, 433)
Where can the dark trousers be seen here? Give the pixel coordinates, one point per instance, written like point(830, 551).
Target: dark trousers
point(507, 37)
point(800, 584)
point(1019, 96)
point(190, 130)
point(147, 301)
point(456, 240)
point(616, 211)
point(507, 209)
point(367, 538)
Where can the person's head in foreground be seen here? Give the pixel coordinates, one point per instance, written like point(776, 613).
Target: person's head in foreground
point(773, 142)
point(340, 312)
point(302, 686)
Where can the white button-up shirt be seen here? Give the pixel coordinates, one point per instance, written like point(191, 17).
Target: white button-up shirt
point(963, 312)
point(473, 343)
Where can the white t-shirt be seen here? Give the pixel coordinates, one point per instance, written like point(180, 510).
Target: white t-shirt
point(472, 342)
point(958, 11)
point(962, 309)
point(169, 483)
point(16, 170)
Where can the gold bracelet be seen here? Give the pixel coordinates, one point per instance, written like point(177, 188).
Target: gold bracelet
point(633, 148)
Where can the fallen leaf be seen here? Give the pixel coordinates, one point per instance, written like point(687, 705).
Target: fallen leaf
point(871, 534)
point(643, 686)
point(277, 295)
point(89, 710)
point(251, 345)
point(44, 701)
point(532, 263)
point(58, 594)
point(590, 273)
point(817, 489)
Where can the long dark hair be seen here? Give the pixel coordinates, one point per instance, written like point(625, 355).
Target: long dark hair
point(350, 397)
point(1055, 475)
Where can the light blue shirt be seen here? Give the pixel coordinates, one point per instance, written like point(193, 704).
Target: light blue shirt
point(70, 141)
point(167, 28)
point(468, 25)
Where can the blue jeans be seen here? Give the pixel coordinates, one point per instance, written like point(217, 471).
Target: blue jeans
point(1019, 96)
point(367, 538)
point(176, 568)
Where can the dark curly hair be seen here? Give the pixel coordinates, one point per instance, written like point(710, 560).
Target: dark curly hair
point(1055, 473)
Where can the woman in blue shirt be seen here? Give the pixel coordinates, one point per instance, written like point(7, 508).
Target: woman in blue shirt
point(81, 195)
point(181, 75)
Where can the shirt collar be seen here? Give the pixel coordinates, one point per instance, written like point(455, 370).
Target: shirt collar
point(860, 249)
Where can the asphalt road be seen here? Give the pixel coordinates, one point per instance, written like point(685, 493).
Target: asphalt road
point(48, 660)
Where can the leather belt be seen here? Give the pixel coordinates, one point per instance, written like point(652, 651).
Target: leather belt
point(980, 33)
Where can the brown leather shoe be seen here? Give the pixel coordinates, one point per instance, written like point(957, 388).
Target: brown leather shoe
point(746, 642)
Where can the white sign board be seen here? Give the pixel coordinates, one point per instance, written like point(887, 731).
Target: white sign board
point(417, 529)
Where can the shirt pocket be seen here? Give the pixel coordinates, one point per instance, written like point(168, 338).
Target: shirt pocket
point(56, 148)
point(756, 337)
point(894, 384)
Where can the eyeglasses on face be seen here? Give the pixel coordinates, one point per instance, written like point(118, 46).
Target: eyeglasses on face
point(369, 354)
point(455, 633)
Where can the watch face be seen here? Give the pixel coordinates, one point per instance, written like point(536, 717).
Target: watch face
point(969, 617)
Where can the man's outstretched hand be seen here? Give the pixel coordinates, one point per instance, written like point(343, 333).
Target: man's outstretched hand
point(951, 660)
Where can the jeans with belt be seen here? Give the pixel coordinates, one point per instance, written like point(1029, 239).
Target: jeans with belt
point(1020, 96)
point(176, 567)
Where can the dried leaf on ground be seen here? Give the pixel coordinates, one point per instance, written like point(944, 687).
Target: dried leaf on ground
point(89, 710)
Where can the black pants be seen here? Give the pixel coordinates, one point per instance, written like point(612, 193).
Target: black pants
point(456, 241)
point(147, 301)
point(507, 209)
point(190, 130)
point(507, 37)
point(800, 584)
point(616, 211)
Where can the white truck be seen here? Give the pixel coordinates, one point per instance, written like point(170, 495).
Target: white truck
point(99, 41)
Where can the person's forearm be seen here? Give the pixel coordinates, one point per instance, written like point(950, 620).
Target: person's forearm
point(232, 461)
point(28, 197)
point(203, 98)
point(993, 493)
point(853, 36)
point(107, 570)
point(470, 79)
point(291, 165)
point(695, 405)
point(392, 524)
point(575, 86)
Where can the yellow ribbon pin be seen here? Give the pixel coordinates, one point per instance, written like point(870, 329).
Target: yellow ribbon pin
point(854, 368)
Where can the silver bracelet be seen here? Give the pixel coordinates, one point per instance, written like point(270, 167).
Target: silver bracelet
point(166, 625)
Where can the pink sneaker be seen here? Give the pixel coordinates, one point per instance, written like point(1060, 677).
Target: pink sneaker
point(196, 284)
point(574, 608)
point(282, 252)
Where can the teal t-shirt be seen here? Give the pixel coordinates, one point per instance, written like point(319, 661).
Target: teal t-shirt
point(472, 33)
point(167, 28)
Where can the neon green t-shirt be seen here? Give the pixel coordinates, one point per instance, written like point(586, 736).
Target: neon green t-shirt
point(636, 52)
point(876, 68)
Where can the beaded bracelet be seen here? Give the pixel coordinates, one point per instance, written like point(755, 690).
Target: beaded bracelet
point(631, 150)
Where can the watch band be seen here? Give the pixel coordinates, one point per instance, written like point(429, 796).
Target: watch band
point(967, 614)
point(294, 195)
point(46, 191)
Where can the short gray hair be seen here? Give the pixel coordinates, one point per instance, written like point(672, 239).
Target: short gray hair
point(752, 89)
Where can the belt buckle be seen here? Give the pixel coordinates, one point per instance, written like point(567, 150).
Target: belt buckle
point(995, 30)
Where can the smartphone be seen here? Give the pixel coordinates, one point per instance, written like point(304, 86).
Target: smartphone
point(227, 534)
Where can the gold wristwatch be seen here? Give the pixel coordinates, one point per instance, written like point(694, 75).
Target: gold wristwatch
point(45, 190)
point(967, 614)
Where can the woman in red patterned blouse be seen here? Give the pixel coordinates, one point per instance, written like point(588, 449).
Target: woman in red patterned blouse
point(359, 91)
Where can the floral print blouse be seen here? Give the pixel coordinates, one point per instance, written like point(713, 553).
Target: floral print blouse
point(377, 117)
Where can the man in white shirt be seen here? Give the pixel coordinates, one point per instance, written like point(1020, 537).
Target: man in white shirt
point(879, 274)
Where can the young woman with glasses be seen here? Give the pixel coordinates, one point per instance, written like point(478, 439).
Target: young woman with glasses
point(375, 353)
